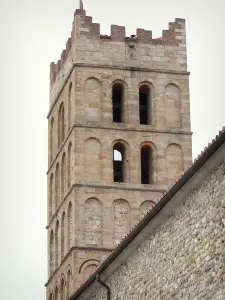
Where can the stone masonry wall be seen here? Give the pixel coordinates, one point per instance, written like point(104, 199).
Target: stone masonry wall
point(184, 258)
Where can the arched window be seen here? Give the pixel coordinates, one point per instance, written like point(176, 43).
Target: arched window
point(146, 165)
point(63, 236)
point(51, 252)
point(69, 165)
point(50, 207)
point(51, 141)
point(57, 244)
point(119, 171)
point(69, 106)
point(118, 102)
point(69, 226)
point(63, 176)
point(68, 284)
point(57, 185)
point(61, 128)
point(62, 290)
point(56, 293)
point(145, 105)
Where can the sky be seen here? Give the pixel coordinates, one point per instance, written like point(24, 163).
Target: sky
point(33, 34)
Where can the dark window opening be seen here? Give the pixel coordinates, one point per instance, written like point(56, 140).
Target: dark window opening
point(144, 105)
point(146, 165)
point(61, 127)
point(118, 163)
point(117, 103)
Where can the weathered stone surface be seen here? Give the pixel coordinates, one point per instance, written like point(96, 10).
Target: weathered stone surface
point(93, 222)
point(184, 258)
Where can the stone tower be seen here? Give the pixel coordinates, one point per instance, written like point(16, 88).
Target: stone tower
point(119, 134)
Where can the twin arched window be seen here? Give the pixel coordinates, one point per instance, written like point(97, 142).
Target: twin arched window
point(120, 163)
point(118, 99)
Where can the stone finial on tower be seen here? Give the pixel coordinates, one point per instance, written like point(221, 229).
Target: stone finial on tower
point(81, 5)
point(80, 11)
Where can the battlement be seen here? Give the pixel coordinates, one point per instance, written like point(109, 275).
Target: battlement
point(83, 27)
point(55, 67)
point(145, 36)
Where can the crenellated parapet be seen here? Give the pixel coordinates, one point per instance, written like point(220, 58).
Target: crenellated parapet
point(55, 67)
point(171, 36)
point(84, 29)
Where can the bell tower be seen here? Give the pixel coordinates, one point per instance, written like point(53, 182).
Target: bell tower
point(119, 135)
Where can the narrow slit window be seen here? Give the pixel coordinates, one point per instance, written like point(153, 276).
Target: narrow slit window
point(69, 105)
point(51, 139)
point(117, 103)
point(118, 163)
point(61, 126)
point(146, 165)
point(57, 185)
point(144, 105)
